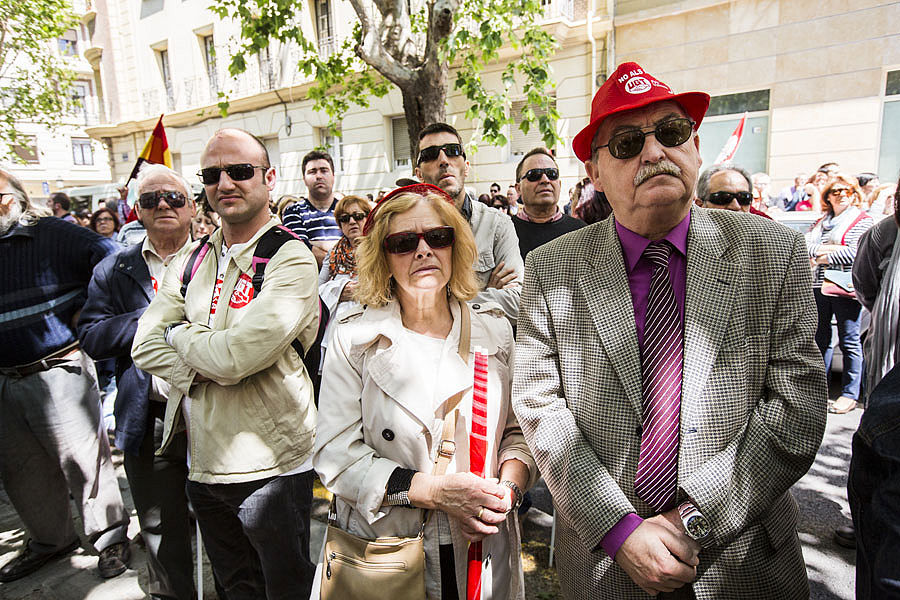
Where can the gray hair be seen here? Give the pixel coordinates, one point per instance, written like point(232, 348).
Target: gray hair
point(151, 169)
point(703, 182)
point(31, 211)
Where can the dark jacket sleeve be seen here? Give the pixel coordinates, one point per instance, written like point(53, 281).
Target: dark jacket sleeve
point(102, 330)
point(872, 258)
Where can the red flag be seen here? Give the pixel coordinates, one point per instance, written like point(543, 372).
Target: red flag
point(155, 151)
point(731, 146)
point(477, 460)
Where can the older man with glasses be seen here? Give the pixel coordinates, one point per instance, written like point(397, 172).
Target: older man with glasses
point(727, 186)
point(498, 266)
point(666, 379)
point(225, 331)
point(120, 291)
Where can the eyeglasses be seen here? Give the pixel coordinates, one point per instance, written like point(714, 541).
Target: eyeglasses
point(725, 198)
point(432, 152)
point(357, 216)
point(628, 144)
point(149, 200)
point(407, 241)
point(841, 192)
point(241, 172)
point(533, 175)
point(105, 220)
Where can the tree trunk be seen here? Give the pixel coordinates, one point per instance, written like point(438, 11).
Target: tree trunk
point(424, 103)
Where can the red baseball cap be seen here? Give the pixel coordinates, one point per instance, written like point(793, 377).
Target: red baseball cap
point(628, 88)
point(423, 189)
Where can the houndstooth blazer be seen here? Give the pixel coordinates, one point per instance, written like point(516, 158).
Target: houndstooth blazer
point(752, 412)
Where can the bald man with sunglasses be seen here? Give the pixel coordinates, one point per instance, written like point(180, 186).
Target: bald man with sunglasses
point(236, 381)
point(667, 380)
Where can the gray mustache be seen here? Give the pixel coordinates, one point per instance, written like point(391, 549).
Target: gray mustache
point(663, 167)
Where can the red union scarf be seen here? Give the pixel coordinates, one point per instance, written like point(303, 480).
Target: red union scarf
point(477, 455)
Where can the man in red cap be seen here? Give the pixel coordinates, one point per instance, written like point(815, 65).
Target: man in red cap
point(666, 377)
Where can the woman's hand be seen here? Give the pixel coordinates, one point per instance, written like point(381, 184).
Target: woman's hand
point(477, 504)
point(348, 291)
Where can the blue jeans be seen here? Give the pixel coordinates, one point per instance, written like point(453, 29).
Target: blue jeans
point(846, 312)
point(256, 535)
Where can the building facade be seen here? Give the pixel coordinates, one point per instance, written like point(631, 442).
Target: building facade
point(66, 157)
point(819, 81)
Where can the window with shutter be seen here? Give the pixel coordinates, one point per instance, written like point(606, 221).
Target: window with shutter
point(400, 139)
point(520, 142)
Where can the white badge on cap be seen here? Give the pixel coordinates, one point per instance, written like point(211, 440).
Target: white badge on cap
point(637, 85)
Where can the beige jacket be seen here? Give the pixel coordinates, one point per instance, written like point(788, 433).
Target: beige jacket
point(378, 413)
point(256, 418)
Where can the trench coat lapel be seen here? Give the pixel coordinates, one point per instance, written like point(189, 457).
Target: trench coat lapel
point(396, 367)
point(711, 279)
point(605, 289)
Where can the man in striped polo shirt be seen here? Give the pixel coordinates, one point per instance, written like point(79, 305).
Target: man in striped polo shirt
point(50, 446)
point(313, 219)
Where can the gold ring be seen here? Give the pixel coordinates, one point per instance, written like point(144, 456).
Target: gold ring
point(480, 512)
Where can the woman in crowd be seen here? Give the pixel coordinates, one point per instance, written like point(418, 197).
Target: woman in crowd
point(393, 369)
point(284, 203)
point(205, 222)
point(501, 203)
point(105, 222)
point(337, 278)
point(832, 245)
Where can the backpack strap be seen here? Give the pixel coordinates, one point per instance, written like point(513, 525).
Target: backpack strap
point(193, 263)
point(269, 243)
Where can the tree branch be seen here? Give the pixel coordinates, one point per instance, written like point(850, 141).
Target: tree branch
point(373, 52)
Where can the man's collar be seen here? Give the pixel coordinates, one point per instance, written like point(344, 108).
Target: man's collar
point(19, 230)
point(147, 247)
point(633, 245)
point(523, 214)
point(466, 208)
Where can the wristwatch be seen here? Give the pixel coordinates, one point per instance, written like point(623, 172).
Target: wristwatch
point(696, 526)
point(516, 491)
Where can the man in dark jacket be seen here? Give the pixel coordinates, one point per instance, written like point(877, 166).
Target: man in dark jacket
point(50, 447)
point(120, 291)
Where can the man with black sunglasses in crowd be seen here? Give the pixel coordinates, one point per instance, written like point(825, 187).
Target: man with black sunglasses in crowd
point(237, 384)
point(537, 181)
point(498, 266)
point(667, 379)
point(727, 186)
point(120, 291)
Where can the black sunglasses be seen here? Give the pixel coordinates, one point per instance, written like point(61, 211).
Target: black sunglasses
point(432, 152)
point(533, 175)
point(357, 216)
point(149, 200)
point(725, 198)
point(628, 144)
point(407, 241)
point(241, 172)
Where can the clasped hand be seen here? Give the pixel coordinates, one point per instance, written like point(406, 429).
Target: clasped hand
point(658, 555)
point(477, 504)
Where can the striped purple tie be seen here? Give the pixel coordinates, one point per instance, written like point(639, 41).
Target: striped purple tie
point(661, 363)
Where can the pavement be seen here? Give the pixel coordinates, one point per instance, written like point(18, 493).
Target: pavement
point(821, 494)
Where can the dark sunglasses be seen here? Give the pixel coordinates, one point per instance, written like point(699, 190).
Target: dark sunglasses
point(432, 152)
point(533, 175)
point(725, 198)
point(407, 241)
point(628, 144)
point(841, 192)
point(357, 216)
point(149, 200)
point(241, 172)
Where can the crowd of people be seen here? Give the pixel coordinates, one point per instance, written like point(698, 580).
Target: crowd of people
point(663, 370)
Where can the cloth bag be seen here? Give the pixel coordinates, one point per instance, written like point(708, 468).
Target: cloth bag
point(837, 283)
point(389, 567)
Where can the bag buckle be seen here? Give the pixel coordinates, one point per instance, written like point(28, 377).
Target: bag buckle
point(447, 448)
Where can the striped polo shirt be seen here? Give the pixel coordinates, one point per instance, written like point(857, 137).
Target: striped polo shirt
point(312, 224)
point(45, 269)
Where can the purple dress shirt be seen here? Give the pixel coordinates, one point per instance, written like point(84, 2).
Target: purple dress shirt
point(639, 273)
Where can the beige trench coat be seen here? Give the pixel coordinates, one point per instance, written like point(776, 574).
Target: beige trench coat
point(377, 414)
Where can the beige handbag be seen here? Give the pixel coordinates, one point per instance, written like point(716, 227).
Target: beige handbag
point(388, 567)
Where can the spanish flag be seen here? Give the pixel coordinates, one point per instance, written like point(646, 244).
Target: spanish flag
point(156, 150)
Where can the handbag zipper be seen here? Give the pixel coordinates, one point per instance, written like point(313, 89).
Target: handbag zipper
point(362, 564)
